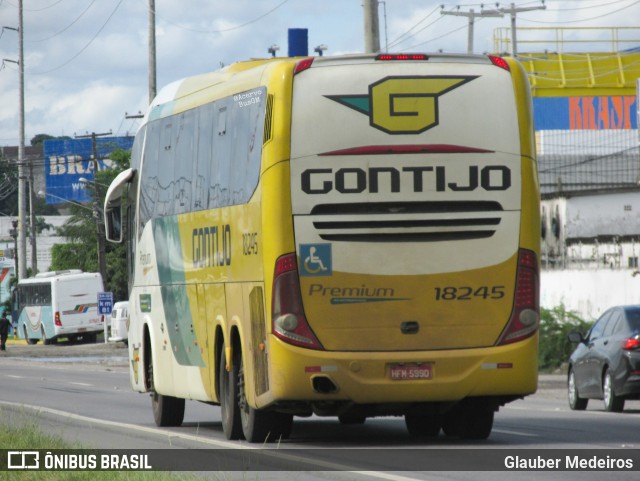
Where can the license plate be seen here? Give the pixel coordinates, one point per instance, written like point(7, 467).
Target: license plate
point(410, 372)
point(82, 329)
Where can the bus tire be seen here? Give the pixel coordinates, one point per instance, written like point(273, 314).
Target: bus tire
point(167, 410)
point(29, 341)
point(423, 426)
point(228, 389)
point(45, 341)
point(260, 426)
point(468, 422)
point(476, 424)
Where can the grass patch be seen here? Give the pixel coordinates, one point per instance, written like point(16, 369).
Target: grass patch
point(18, 432)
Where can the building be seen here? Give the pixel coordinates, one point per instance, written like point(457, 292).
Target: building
point(45, 242)
point(586, 121)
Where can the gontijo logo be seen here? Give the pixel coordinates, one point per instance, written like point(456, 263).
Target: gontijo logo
point(403, 105)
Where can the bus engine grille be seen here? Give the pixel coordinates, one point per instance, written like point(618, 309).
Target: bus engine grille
point(407, 221)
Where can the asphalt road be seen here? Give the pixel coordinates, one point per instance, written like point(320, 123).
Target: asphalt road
point(82, 393)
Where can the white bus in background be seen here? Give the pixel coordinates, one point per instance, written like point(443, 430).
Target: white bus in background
point(61, 304)
point(119, 322)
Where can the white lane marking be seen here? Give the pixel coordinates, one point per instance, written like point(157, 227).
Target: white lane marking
point(213, 442)
point(515, 433)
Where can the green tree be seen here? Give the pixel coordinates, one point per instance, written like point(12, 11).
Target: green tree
point(40, 138)
point(555, 326)
point(81, 251)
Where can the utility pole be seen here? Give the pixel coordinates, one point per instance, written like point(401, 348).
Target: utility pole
point(97, 196)
point(152, 50)
point(471, 15)
point(33, 224)
point(371, 27)
point(22, 181)
point(513, 11)
point(21, 227)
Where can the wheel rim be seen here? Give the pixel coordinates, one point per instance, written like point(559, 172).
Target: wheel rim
point(607, 389)
point(572, 389)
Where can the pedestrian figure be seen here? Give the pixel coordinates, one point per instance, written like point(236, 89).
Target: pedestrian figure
point(5, 324)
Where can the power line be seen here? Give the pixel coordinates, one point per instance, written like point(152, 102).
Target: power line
point(87, 44)
point(434, 38)
point(224, 30)
point(67, 27)
point(407, 35)
point(597, 17)
point(471, 16)
point(512, 10)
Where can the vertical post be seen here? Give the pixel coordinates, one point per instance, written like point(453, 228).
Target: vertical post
point(14, 234)
point(32, 214)
point(371, 27)
point(471, 16)
point(514, 40)
point(22, 181)
point(152, 50)
point(513, 11)
point(102, 261)
point(97, 196)
point(470, 31)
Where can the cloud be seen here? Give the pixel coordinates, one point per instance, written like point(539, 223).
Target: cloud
point(86, 62)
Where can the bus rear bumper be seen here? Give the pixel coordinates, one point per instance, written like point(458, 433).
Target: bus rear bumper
point(507, 372)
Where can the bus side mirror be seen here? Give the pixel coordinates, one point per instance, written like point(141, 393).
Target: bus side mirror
point(113, 206)
point(113, 224)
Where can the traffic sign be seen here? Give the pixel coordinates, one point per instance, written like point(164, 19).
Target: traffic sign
point(105, 302)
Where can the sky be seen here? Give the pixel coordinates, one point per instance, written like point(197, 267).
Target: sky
point(86, 61)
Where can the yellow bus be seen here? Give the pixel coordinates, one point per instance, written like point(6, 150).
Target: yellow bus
point(351, 236)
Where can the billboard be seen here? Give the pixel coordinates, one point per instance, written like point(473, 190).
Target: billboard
point(67, 161)
point(613, 112)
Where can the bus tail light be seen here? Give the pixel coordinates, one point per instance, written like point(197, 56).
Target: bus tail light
point(401, 56)
point(525, 315)
point(499, 62)
point(303, 65)
point(288, 320)
point(56, 319)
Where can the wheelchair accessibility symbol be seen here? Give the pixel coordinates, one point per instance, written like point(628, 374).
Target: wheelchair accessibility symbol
point(315, 260)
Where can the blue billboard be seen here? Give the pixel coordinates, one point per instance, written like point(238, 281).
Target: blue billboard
point(614, 112)
point(67, 161)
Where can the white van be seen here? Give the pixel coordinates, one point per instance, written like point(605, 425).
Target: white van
point(119, 322)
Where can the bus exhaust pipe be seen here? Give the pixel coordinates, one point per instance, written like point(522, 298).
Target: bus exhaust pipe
point(323, 385)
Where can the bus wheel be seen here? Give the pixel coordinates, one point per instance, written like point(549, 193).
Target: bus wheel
point(167, 410)
point(45, 341)
point(478, 425)
point(29, 341)
point(423, 426)
point(469, 423)
point(261, 426)
point(228, 389)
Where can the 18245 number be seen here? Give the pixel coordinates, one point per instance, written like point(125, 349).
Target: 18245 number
point(466, 293)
